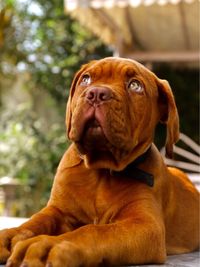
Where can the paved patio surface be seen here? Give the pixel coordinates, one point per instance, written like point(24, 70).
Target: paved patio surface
point(184, 260)
point(9, 222)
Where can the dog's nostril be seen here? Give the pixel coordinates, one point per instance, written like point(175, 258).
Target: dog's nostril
point(91, 95)
point(103, 96)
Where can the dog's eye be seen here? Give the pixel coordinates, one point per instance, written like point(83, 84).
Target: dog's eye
point(135, 86)
point(86, 80)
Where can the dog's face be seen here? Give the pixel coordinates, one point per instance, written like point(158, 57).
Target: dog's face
point(113, 108)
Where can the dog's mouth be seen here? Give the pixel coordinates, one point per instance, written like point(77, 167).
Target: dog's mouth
point(93, 128)
point(92, 138)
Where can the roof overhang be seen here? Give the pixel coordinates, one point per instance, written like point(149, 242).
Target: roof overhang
point(148, 30)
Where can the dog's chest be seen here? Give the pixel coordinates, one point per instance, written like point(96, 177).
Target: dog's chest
point(101, 197)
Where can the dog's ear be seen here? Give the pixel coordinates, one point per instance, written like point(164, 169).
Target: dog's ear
point(168, 115)
point(71, 93)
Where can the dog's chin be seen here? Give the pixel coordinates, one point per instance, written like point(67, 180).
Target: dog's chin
point(96, 148)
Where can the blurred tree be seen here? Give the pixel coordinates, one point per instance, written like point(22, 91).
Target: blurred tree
point(5, 20)
point(38, 38)
point(31, 155)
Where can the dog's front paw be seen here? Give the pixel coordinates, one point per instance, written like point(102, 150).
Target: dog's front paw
point(45, 251)
point(8, 239)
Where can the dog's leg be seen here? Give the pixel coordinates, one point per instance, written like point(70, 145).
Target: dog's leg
point(138, 240)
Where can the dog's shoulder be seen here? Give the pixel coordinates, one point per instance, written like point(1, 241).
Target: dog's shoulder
point(70, 159)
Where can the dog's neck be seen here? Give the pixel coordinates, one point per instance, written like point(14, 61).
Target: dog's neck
point(134, 172)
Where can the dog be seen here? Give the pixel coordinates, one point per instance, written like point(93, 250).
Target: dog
point(113, 200)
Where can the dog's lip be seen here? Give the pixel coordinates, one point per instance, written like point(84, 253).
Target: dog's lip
point(92, 120)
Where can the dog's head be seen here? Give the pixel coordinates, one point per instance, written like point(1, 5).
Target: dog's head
point(112, 111)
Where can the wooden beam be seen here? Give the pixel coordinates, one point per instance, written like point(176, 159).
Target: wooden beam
point(136, 43)
point(184, 23)
point(184, 56)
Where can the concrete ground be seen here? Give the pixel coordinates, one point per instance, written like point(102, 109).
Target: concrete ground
point(184, 260)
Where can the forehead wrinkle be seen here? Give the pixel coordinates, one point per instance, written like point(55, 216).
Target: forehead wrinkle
point(130, 72)
point(121, 69)
point(95, 71)
point(107, 69)
point(102, 70)
point(127, 70)
point(113, 68)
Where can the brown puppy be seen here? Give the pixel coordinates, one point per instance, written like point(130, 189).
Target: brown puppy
point(113, 200)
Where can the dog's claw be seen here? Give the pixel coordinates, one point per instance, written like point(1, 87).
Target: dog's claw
point(9, 264)
point(49, 264)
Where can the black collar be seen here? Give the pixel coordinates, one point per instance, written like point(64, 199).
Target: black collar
point(132, 171)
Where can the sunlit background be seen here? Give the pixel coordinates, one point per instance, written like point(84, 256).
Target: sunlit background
point(43, 43)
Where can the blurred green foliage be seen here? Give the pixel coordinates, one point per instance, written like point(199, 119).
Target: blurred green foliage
point(43, 40)
point(31, 155)
point(38, 38)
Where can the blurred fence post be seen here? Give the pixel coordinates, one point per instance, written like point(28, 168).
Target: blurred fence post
point(8, 194)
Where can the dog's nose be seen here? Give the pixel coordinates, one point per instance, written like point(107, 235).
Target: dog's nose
point(97, 95)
